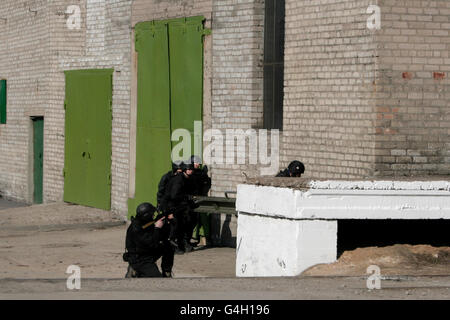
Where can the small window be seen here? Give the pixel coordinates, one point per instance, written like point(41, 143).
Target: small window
point(2, 101)
point(274, 63)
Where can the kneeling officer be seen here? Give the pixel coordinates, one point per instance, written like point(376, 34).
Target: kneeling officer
point(147, 240)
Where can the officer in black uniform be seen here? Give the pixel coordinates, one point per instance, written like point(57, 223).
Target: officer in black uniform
point(295, 169)
point(176, 167)
point(178, 201)
point(202, 184)
point(200, 177)
point(146, 242)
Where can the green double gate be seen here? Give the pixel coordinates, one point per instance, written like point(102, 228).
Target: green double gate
point(170, 96)
point(87, 167)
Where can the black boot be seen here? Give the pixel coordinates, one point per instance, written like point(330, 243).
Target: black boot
point(179, 251)
point(131, 273)
point(188, 247)
point(167, 274)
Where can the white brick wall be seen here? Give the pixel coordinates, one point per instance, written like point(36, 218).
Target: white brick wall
point(108, 45)
point(357, 102)
point(25, 63)
point(34, 61)
point(238, 48)
point(412, 126)
point(329, 96)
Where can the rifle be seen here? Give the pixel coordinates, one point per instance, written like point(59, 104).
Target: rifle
point(158, 217)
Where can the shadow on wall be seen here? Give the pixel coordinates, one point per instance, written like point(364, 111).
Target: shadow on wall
point(223, 230)
point(7, 203)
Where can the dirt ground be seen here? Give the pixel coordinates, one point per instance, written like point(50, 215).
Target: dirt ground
point(41, 241)
point(392, 260)
point(98, 252)
point(58, 213)
point(38, 243)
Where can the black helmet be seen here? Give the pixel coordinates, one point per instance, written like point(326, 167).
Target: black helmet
point(183, 166)
point(296, 168)
point(195, 159)
point(145, 212)
point(177, 165)
point(189, 166)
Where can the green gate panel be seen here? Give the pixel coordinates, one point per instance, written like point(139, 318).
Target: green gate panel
point(38, 159)
point(186, 74)
point(2, 101)
point(87, 167)
point(170, 96)
point(153, 115)
point(75, 168)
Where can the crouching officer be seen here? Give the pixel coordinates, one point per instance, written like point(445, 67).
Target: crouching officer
point(146, 242)
point(295, 169)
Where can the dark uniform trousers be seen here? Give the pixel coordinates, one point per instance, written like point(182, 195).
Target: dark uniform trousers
point(145, 267)
point(144, 247)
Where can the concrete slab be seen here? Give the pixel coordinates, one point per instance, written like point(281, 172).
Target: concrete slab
point(284, 230)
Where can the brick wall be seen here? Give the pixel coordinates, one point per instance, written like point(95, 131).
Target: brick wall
point(237, 90)
point(413, 88)
point(357, 102)
point(148, 10)
point(34, 61)
point(25, 63)
point(329, 92)
point(103, 42)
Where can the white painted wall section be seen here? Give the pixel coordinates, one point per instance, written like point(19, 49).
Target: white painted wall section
point(272, 247)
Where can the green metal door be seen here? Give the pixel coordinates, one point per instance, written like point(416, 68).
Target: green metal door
point(38, 158)
point(170, 92)
point(87, 167)
point(153, 113)
point(186, 75)
point(2, 101)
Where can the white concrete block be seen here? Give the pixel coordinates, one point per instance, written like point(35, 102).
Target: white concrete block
point(349, 200)
point(374, 204)
point(270, 201)
point(272, 247)
point(282, 232)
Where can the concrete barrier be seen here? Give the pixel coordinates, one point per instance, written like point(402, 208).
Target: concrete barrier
point(283, 231)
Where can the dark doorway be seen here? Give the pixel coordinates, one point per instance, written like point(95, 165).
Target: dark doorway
point(354, 234)
point(38, 159)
